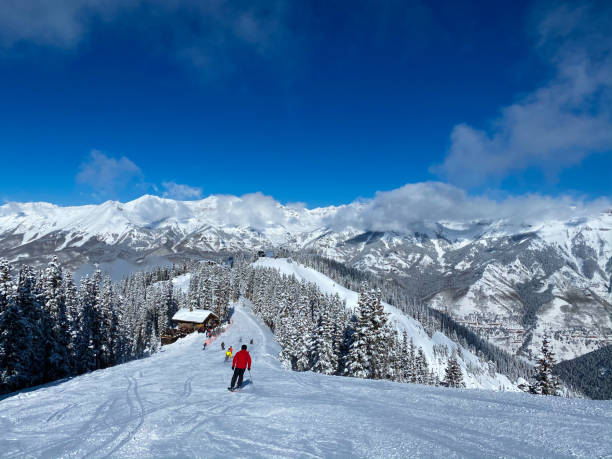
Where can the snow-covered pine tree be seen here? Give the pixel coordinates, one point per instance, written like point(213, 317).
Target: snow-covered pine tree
point(5, 284)
point(453, 377)
point(433, 378)
point(17, 337)
point(358, 361)
point(109, 333)
point(326, 359)
point(381, 337)
point(412, 364)
point(545, 382)
point(89, 346)
point(403, 359)
point(72, 313)
point(394, 365)
point(306, 344)
point(193, 295)
point(421, 367)
point(6, 291)
point(31, 299)
point(57, 334)
point(207, 290)
point(154, 342)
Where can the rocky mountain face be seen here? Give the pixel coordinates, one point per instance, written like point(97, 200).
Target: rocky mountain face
point(512, 282)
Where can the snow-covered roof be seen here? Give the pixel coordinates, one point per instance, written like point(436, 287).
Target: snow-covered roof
point(197, 316)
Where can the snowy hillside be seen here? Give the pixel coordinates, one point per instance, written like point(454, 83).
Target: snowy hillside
point(476, 373)
point(510, 281)
point(175, 404)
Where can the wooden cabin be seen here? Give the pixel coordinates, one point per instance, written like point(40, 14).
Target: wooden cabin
point(193, 319)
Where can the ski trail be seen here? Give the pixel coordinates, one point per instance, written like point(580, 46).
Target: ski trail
point(175, 404)
point(140, 415)
point(187, 389)
point(59, 414)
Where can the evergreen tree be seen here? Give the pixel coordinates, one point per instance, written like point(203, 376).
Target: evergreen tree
point(6, 291)
point(72, 315)
point(412, 364)
point(109, 324)
point(5, 284)
point(453, 376)
point(421, 368)
point(545, 382)
point(404, 361)
point(326, 359)
point(90, 339)
point(358, 361)
point(31, 300)
point(17, 338)
point(381, 342)
point(57, 334)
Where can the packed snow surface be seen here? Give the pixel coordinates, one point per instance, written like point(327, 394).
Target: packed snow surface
point(175, 404)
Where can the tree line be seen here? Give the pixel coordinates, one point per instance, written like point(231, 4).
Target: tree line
point(51, 328)
point(318, 333)
point(432, 319)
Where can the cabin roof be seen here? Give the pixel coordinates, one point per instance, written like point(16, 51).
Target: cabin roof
point(196, 316)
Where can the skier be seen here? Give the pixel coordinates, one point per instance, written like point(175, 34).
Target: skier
point(204, 348)
point(228, 354)
point(251, 341)
point(242, 361)
point(222, 345)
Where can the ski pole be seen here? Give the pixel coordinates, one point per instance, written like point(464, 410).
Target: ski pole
point(250, 376)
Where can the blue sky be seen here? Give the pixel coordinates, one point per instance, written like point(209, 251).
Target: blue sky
point(303, 101)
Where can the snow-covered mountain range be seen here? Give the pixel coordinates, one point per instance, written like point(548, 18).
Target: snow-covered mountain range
point(512, 281)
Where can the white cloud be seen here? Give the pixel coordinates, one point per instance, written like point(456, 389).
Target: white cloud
point(556, 125)
point(254, 209)
point(108, 176)
point(430, 202)
point(181, 192)
point(408, 208)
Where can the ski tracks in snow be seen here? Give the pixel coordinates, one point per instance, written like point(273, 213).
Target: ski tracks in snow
point(175, 404)
point(187, 389)
point(136, 416)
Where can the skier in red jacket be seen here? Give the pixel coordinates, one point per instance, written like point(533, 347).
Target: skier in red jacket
point(242, 361)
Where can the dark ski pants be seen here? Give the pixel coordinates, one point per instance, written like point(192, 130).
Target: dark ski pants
point(238, 373)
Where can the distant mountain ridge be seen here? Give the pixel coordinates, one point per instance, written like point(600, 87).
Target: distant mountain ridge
point(509, 280)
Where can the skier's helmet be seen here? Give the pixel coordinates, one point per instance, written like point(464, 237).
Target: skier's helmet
point(244, 347)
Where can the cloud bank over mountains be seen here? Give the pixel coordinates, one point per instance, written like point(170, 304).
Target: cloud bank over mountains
point(432, 202)
point(408, 208)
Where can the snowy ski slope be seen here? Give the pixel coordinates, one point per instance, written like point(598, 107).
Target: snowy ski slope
point(175, 404)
